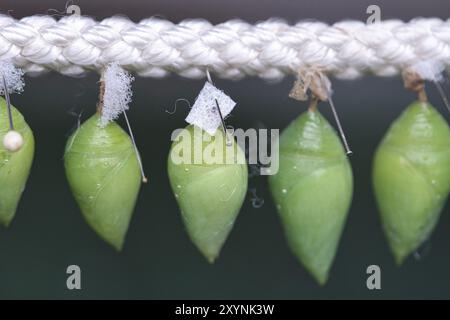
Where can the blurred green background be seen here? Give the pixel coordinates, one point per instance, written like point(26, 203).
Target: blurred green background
point(158, 260)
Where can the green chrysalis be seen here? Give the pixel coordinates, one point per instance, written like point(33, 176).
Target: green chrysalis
point(103, 173)
point(14, 166)
point(209, 195)
point(312, 191)
point(411, 177)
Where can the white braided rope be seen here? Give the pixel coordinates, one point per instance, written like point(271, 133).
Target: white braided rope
point(269, 49)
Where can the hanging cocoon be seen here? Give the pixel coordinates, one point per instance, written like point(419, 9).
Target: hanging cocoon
point(312, 191)
point(411, 177)
point(210, 196)
point(14, 166)
point(103, 173)
point(102, 165)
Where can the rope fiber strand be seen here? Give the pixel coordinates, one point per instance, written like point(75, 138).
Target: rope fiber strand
point(270, 49)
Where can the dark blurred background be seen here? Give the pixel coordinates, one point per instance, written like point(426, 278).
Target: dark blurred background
point(158, 260)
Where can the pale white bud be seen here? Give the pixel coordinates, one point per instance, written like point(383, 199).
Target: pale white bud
point(12, 141)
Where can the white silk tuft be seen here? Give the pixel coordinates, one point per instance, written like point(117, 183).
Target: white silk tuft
point(117, 94)
point(13, 78)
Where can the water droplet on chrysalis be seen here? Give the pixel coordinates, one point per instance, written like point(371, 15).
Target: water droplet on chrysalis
point(423, 251)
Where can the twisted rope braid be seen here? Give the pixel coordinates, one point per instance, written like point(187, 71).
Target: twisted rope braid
point(270, 49)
